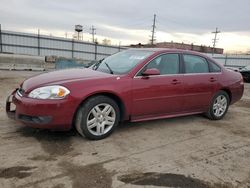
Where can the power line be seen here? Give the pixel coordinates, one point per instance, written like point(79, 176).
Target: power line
point(153, 31)
point(215, 40)
point(93, 32)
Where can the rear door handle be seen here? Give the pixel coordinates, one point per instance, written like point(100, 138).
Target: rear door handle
point(174, 82)
point(212, 79)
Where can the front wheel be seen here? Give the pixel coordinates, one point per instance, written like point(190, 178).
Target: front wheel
point(97, 117)
point(219, 106)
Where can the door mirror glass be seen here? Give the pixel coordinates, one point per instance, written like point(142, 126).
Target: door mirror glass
point(150, 72)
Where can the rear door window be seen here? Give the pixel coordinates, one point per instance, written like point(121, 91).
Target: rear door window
point(214, 67)
point(195, 64)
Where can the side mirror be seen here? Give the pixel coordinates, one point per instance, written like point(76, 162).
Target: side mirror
point(151, 72)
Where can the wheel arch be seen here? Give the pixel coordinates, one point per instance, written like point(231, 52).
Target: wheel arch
point(111, 95)
point(229, 93)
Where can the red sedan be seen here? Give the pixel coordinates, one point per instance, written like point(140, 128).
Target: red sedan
point(134, 85)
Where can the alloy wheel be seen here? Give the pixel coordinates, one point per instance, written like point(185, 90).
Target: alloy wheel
point(101, 119)
point(220, 106)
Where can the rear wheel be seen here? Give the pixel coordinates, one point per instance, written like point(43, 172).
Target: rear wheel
point(219, 106)
point(97, 117)
point(247, 79)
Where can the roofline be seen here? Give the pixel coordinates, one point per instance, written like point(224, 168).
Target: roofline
point(167, 50)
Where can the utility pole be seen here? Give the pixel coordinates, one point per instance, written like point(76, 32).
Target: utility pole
point(153, 31)
point(93, 32)
point(1, 46)
point(215, 39)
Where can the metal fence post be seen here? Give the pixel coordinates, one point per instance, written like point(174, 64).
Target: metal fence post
point(225, 60)
point(95, 50)
point(38, 42)
point(119, 47)
point(72, 49)
point(1, 46)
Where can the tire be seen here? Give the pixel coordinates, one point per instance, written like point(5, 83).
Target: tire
point(217, 109)
point(248, 79)
point(97, 117)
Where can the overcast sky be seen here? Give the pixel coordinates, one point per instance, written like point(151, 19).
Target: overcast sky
point(129, 21)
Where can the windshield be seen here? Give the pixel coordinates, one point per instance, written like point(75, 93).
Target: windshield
point(122, 62)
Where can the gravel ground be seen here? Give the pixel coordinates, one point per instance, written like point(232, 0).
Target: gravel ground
point(189, 151)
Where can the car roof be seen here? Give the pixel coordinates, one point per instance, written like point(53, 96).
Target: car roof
point(174, 50)
point(167, 50)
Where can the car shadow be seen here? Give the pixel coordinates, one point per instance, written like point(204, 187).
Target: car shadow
point(56, 137)
point(151, 124)
point(54, 143)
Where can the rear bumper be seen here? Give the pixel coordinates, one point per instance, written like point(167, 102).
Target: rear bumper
point(47, 114)
point(237, 92)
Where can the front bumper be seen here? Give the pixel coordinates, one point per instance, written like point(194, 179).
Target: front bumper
point(48, 114)
point(10, 111)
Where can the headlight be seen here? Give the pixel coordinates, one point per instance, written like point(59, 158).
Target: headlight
point(49, 92)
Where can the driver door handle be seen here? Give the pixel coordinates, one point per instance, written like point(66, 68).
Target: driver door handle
point(175, 82)
point(212, 79)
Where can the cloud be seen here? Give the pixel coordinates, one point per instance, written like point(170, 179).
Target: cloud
point(130, 21)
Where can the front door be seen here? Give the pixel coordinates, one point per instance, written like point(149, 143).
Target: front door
point(158, 95)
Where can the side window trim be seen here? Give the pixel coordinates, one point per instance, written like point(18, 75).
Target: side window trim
point(179, 68)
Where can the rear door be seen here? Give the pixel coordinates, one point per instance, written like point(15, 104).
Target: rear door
point(199, 83)
point(161, 94)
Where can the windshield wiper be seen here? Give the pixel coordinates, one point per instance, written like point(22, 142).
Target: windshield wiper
point(97, 64)
point(110, 70)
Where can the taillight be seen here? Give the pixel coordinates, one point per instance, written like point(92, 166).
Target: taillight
point(242, 80)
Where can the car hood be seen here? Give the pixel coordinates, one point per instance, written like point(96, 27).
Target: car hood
point(61, 76)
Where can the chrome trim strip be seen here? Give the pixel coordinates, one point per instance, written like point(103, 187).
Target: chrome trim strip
point(181, 74)
point(200, 73)
point(177, 75)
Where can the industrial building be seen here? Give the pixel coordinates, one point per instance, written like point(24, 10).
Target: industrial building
point(198, 48)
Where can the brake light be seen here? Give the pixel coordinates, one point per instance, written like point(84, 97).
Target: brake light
point(242, 81)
